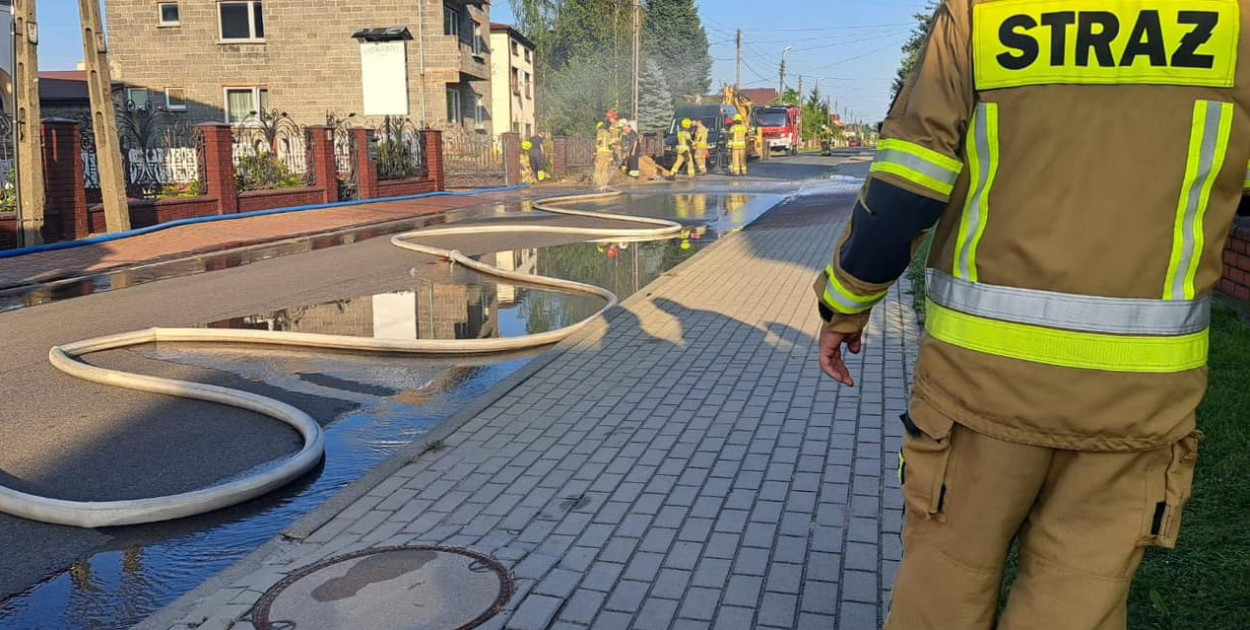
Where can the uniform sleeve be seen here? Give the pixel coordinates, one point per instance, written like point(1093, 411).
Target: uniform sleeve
point(1243, 210)
point(917, 164)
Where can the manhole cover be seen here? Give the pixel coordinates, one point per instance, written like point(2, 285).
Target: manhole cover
point(392, 588)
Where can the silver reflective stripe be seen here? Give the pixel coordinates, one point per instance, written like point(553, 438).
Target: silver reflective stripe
point(843, 304)
point(1208, 158)
point(918, 164)
point(971, 226)
point(1086, 313)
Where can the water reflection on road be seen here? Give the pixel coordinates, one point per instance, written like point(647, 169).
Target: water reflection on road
point(396, 399)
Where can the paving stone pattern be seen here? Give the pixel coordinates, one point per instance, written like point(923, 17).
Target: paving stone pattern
point(688, 468)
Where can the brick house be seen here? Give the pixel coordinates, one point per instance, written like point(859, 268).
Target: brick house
point(220, 60)
point(512, 72)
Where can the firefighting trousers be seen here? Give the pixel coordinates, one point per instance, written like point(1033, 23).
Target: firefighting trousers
point(1083, 521)
point(738, 161)
point(603, 170)
point(527, 171)
point(700, 160)
point(684, 159)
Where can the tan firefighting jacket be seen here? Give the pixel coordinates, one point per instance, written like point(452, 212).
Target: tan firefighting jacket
point(738, 137)
point(1091, 157)
point(683, 141)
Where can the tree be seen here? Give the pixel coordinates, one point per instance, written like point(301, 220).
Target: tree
point(583, 59)
point(913, 47)
point(655, 102)
point(674, 36)
point(573, 98)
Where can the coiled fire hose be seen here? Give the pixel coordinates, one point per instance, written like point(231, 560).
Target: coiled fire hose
point(134, 511)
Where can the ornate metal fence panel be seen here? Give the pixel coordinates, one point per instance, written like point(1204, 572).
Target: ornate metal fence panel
point(8, 162)
point(271, 151)
point(580, 152)
point(160, 155)
point(400, 149)
point(472, 160)
point(345, 154)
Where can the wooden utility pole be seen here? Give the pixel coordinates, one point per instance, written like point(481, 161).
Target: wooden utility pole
point(637, 55)
point(800, 89)
point(28, 136)
point(104, 118)
point(738, 71)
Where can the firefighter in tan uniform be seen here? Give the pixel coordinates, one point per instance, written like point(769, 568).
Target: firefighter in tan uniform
point(684, 141)
point(738, 146)
point(700, 147)
point(1082, 162)
point(603, 157)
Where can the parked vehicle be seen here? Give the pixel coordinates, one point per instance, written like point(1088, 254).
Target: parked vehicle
point(782, 126)
point(713, 117)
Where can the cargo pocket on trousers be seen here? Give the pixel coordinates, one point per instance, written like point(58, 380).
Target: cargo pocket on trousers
point(1178, 483)
point(922, 465)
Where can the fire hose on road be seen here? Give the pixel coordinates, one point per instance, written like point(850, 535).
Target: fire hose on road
point(67, 358)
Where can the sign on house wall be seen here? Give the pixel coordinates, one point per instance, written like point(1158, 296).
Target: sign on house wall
point(384, 76)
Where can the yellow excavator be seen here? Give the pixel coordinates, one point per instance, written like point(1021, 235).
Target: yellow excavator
point(755, 135)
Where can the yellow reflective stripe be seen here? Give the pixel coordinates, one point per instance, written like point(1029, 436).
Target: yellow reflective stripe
point(919, 165)
point(1064, 348)
point(983, 161)
point(842, 300)
point(916, 177)
point(924, 153)
point(1208, 146)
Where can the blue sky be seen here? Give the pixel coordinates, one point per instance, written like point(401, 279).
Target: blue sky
point(850, 46)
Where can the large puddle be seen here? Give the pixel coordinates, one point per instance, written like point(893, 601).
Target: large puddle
point(396, 399)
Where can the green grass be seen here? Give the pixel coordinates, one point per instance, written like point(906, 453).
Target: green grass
point(1205, 583)
point(915, 272)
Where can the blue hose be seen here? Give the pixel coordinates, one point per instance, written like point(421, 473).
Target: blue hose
point(13, 253)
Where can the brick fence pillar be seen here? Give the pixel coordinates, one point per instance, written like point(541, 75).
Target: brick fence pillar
point(319, 142)
point(218, 165)
point(560, 157)
point(432, 139)
point(511, 142)
point(65, 208)
point(366, 167)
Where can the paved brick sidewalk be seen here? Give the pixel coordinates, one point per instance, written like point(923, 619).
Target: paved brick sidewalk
point(219, 235)
point(687, 467)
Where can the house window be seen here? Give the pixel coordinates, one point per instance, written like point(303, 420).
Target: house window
point(479, 113)
point(516, 50)
point(242, 21)
point(516, 127)
point(245, 102)
point(168, 13)
point(527, 55)
point(516, 81)
point(176, 99)
point(451, 21)
point(528, 85)
point(478, 43)
point(453, 106)
point(137, 97)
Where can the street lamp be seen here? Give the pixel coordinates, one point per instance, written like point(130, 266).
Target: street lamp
point(781, 90)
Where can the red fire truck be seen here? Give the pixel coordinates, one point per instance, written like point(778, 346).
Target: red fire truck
point(782, 127)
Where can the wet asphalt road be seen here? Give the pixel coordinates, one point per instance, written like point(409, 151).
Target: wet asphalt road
point(70, 439)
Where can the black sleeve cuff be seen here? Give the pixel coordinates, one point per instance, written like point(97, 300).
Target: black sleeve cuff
point(826, 313)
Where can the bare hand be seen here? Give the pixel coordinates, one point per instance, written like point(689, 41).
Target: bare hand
point(831, 362)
